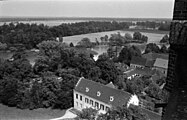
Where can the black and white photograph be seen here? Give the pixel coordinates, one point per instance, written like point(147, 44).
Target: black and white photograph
point(93, 59)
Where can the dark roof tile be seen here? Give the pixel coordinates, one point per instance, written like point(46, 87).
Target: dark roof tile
point(138, 60)
point(154, 56)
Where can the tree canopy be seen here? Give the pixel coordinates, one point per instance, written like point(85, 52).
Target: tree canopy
point(127, 52)
point(138, 36)
point(165, 39)
point(124, 113)
point(152, 47)
point(85, 43)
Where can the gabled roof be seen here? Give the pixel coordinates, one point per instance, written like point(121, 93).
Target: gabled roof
point(91, 88)
point(138, 60)
point(162, 63)
point(110, 85)
point(154, 56)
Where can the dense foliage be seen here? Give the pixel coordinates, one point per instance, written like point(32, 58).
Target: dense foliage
point(126, 54)
point(154, 48)
point(50, 82)
point(141, 38)
point(119, 113)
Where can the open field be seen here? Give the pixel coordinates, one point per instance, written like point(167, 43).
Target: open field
point(12, 113)
point(153, 37)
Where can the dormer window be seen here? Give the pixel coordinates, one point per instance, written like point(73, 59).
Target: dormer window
point(111, 98)
point(98, 93)
point(87, 89)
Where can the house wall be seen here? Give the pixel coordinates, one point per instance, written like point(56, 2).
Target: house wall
point(81, 104)
point(136, 66)
point(163, 70)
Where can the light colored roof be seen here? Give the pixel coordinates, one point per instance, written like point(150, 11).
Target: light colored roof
point(162, 63)
point(91, 88)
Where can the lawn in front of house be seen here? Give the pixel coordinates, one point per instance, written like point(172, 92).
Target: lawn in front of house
point(12, 113)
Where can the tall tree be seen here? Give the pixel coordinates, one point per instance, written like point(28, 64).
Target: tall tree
point(85, 43)
point(127, 52)
point(137, 36)
point(152, 47)
point(165, 39)
point(128, 36)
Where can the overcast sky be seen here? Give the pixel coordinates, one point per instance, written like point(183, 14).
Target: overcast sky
point(88, 8)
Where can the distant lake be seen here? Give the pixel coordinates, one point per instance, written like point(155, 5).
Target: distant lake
point(46, 22)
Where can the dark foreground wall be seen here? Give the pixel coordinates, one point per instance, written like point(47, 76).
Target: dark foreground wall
point(176, 82)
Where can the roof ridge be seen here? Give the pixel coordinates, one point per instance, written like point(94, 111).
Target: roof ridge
point(79, 81)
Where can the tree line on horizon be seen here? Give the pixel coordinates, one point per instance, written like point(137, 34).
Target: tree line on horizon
point(13, 36)
point(29, 35)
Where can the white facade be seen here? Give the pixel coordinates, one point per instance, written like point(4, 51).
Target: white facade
point(133, 100)
point(136, 66)
point(82, 101)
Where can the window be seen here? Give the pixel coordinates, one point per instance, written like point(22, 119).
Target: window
point(86, 100)
point(111, 98)
point(98, 93)
point(81, 105)
point(96, 105)
point(102, 107)
point(107, 108)
point(77, 103)
point(77, 96)
point(87, 89)
point(80, 97)
point(91, 102)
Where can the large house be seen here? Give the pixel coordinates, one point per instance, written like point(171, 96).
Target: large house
point(88, 94)
point(161, 65)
